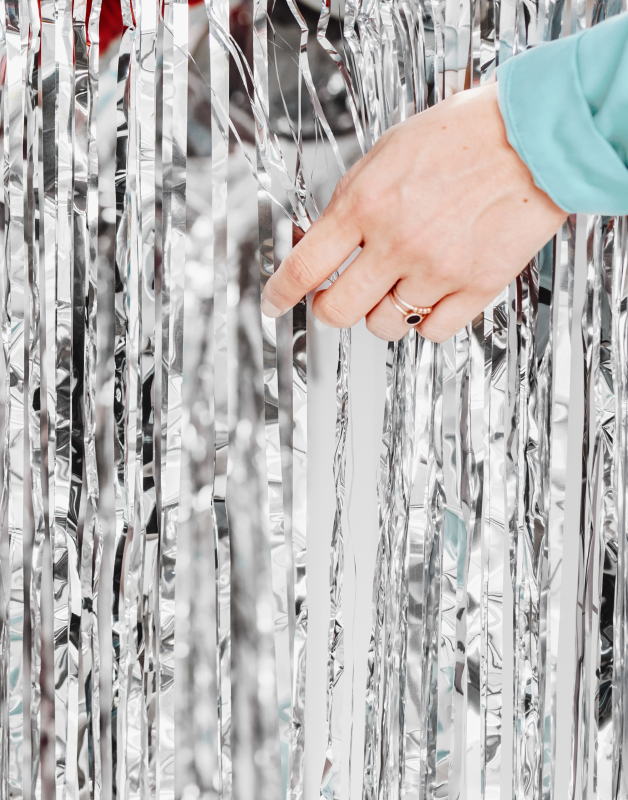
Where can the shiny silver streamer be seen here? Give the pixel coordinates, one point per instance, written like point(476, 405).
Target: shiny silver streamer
point(526, 534)
point(4, 582)
point(415, 729)
point(256, 751)
point(174, 165)
point(128, 680)
point(592, 769)
point(218, 14)
point(79, 437)
point(84, 402)
point(198, 749)
point(454, 547)
point(15, 288)
point(330, 783)
point(281, 557)
point(561, 355)
point(299, 553)
point(618, 352)
point(33, 230)
point(147, 14)
point(142, 699)
point(387, 678)
point(591, 521)
point(64, 509)
point(122, 399)
point(132, 756)
point(93, 533)
point(137, 752)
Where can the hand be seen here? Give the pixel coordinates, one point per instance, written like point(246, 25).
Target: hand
point(443, 208)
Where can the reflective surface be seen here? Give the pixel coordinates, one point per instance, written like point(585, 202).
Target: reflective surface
point(156, 620)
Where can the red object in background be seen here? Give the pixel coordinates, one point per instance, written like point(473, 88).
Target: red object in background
point(111, 20)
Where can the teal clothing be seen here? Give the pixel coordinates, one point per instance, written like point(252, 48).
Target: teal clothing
point(565, 107)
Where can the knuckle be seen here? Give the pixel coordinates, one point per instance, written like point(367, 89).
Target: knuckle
point(332, 313)
point(372, 200)
point(449, 274)
point(342, 186)
point(276, 292)
point(434, 333)
point(381, 330)
point(301, 271)
point(343, 202)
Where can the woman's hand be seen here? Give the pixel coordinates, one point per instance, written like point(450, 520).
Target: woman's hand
point(443, 208)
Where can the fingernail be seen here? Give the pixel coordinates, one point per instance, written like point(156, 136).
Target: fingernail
point(269, 309)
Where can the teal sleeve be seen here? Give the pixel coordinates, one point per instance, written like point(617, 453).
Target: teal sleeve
point(565, 107)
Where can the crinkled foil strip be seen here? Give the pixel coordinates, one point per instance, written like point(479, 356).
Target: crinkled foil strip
point(14, 307)
point(143, 676)
point(4, 577)
point(619, 334)
point(330, 783)
point(387, 662)
point(85, 355)
point(93, 532)
point(281, 555)
point(218, 14)
point(122, 399)
point(298, 519)
point(174, 166)
point(32, 232)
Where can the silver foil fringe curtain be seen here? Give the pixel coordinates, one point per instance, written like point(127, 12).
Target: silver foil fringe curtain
point(148, 447)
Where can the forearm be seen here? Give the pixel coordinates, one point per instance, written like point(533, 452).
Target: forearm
point(565, 107)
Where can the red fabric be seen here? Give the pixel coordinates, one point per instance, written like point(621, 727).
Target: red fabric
point(111, 20)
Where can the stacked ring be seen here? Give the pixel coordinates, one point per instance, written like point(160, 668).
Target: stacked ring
point(412, 315)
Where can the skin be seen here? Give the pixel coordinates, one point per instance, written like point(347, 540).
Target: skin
point(442, 207)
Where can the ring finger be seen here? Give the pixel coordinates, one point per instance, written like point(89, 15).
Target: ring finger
point(387, 321)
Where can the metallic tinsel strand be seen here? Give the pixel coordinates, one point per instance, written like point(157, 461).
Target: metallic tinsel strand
point(174, 159)
point(95, 531)
point(15, 298)
point(414, 727)
point(330, 783)
point(120, 410)
point(299, 553)
point(562, 303)
point(33, 233)
point(618, 356)
point(280, 556)
point(218, 14)
point(387, 673)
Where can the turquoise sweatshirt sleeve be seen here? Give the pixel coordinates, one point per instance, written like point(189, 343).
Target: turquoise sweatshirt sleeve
point(565, 107)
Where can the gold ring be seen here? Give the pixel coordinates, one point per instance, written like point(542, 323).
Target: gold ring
point(412, 315)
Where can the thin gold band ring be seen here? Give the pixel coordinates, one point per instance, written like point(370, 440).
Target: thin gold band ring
point(412, 315)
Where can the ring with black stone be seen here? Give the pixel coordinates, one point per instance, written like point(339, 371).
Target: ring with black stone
point(412, 315)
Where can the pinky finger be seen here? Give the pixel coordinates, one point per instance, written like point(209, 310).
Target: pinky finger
point(451, 314)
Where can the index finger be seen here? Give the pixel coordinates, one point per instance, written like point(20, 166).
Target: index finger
point(323, 249)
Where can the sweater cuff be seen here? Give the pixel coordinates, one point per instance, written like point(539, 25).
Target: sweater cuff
point(550, 125)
